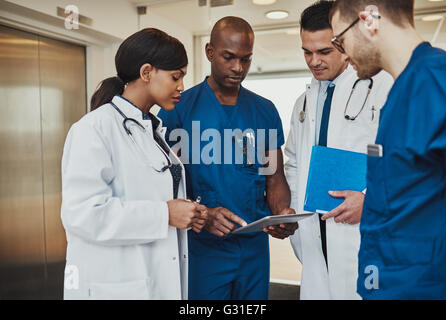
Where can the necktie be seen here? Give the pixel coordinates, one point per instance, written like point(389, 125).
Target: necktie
point(323, 136)
point(323, 133)
point(176, 172)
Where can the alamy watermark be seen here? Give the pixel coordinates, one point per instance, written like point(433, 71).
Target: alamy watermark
point(371, 281)
point(72, 17)
point(248, 147)
point(71, 281)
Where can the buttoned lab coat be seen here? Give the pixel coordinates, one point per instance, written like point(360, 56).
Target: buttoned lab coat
point(343, 240)
point(114, 210)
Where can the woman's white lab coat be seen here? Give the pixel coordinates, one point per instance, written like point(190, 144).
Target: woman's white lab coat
point(114, 210)
point(343, 240)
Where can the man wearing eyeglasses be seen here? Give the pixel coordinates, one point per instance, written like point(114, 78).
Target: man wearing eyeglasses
point(337, 111)
point(403, 230)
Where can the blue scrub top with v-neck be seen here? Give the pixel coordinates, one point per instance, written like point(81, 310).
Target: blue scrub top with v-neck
point(403, 226)
point(237, 187)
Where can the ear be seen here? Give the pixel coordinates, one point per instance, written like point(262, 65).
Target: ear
point(210, 52)
point(370, 20)
point(145, 72)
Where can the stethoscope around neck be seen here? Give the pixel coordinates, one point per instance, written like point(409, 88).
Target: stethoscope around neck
point(302, 114)
point(130, 134)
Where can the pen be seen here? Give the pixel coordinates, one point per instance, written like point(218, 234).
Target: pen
point(198, 200)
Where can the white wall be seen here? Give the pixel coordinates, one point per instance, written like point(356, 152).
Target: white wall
point(151, 20)
point(177, 31)
point(115, 17)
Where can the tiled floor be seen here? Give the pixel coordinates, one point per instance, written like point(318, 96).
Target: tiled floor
point(283, 292)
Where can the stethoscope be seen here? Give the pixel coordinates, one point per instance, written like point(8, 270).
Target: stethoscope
point(302, 114)
point(130, 134)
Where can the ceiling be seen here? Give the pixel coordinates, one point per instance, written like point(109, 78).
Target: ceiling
point(277, 46)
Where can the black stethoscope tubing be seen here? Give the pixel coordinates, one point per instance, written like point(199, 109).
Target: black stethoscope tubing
point(304, 110)
point(129, 133)
point(124, 123)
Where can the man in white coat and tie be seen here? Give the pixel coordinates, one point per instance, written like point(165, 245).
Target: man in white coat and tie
point(337, 111)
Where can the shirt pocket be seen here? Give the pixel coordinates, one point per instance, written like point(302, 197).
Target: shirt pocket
point(260, 197)
point(376, 199)
point(128, 290)
point(255, 185)
point(208, 198)
point(400, 250)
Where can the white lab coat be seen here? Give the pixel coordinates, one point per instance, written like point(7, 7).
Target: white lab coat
point(114, 210)
point(343, 240)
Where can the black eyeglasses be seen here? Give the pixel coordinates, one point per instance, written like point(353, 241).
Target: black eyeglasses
point(337, 43)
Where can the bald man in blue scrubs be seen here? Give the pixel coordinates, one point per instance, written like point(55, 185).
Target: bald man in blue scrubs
point(403, 226)
point(222, 265)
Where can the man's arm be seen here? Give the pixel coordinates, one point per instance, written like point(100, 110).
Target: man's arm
point(278, 195)
point(278, 192)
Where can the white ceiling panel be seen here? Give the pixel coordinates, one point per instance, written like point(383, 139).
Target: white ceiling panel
point(276, 49)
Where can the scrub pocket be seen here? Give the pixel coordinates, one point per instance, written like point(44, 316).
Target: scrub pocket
point(259, 195)
point(130, 290)
point(376, 199)
point(400, 250)
point(208, 198)
point(257, 183)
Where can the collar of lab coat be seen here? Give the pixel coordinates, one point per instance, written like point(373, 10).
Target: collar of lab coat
point(346, 73)
point(132, 111)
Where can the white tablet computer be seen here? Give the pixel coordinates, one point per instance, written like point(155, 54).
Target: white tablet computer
point(258, 225)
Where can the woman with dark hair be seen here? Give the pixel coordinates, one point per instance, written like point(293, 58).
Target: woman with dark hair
point(123, 189)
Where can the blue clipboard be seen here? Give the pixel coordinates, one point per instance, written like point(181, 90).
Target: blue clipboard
point(333, 170)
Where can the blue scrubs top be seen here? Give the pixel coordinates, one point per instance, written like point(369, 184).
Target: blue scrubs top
point(403, 227)
point(236, 186)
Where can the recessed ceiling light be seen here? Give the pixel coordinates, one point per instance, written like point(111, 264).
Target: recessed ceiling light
point(263, 2)
point(435, 0)
point(277, 14)
point(432, 18)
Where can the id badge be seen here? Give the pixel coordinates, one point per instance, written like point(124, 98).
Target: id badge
point(375, 150)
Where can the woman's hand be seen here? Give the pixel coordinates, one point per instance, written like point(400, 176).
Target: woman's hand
point(185, 214)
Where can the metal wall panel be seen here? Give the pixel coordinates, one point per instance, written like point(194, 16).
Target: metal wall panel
point(63, 102)
point(42, 93)
point(22, 255)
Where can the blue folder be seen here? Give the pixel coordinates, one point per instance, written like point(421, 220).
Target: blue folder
point(333, 170)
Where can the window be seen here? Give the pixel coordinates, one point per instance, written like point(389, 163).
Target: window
point(283, 92)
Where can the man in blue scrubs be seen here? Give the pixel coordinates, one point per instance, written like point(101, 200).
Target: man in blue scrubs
point(403, 227)
point(223, 126)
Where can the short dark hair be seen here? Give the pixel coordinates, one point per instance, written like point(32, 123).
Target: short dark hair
point(316, 17)
point(400, 12)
